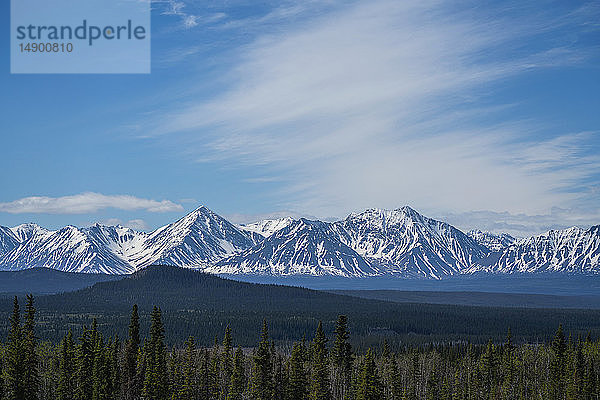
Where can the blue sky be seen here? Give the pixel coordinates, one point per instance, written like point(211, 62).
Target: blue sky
point(485, 114)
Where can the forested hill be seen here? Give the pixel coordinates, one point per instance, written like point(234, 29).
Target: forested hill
point(202, 305)
point(177, 289)
point(48, 281)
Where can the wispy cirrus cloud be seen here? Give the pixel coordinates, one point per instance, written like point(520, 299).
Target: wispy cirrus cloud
point(88, 202)
point(521, 224)
point(189, 19)
point(388, 103)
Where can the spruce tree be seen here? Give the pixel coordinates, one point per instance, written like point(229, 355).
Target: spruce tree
point(575, 383)
point(280, 379)
point(508, 368)
point(341, 355)
point(238, 377)
point(369, 386)
point(66, 368)
point(31, 375)
point(141, 366)
point(319, 382)
point(115, 369)
point(385, 350)
point(557, 365)
point(261, 387)
point(14, 388)
point(130, 383)
point(100, 372)
point(175, 374)
point(155, 380)
point(205, 381)
point(100, 369)
point(579, 370)
point(188, 384)
point(226, 362)
point(487, 370)
point(215, 371)
point(459, 389)
point(446, 390)
point(415, 377)
point(297, 388)
point(589, 385)
point(387, 370)
point(396, 378)
point(432, 384)
point(94, 333)
point(84, 366)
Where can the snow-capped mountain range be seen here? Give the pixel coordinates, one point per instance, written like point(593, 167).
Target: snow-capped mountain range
point(302, 247)
point(572, 250)
point(376, 242)
point(404, 242)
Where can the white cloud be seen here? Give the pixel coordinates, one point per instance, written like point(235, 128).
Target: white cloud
point(135, 224)
point(177, 8)
point(112, 222)
point(88, 202)
point(188, 19)
point(521, 225)
point(173, 7)
point(250, 218)
point(386, 103)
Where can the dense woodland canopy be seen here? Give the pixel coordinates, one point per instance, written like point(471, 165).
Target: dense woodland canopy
point(203, 305)
point(324, 366)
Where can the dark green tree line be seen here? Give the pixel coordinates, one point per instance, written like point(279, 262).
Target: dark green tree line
point(96, 366)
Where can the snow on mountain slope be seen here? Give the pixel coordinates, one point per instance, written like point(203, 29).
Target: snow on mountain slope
point(124, 242)
point(193, 241)
point(403, 242)
point(69, 249)
point(572, 250)
point(494, 242)
point(24, 232)
point(302, 247)
point(8, 240)
point(399, 242)
point(267, 227)
point(199, 238)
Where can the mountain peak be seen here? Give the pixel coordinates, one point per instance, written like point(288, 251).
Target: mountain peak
point(409, 210)
point(195, 240)
point(202, 209)
point(412, 214)
point(267, 227)
point(382, 218)
point(409, 244)
point(201, 213)
point(28, 225)
point(595, 229)
point(24, 232)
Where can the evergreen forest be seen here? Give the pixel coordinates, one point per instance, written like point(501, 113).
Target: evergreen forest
point(323, 366)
